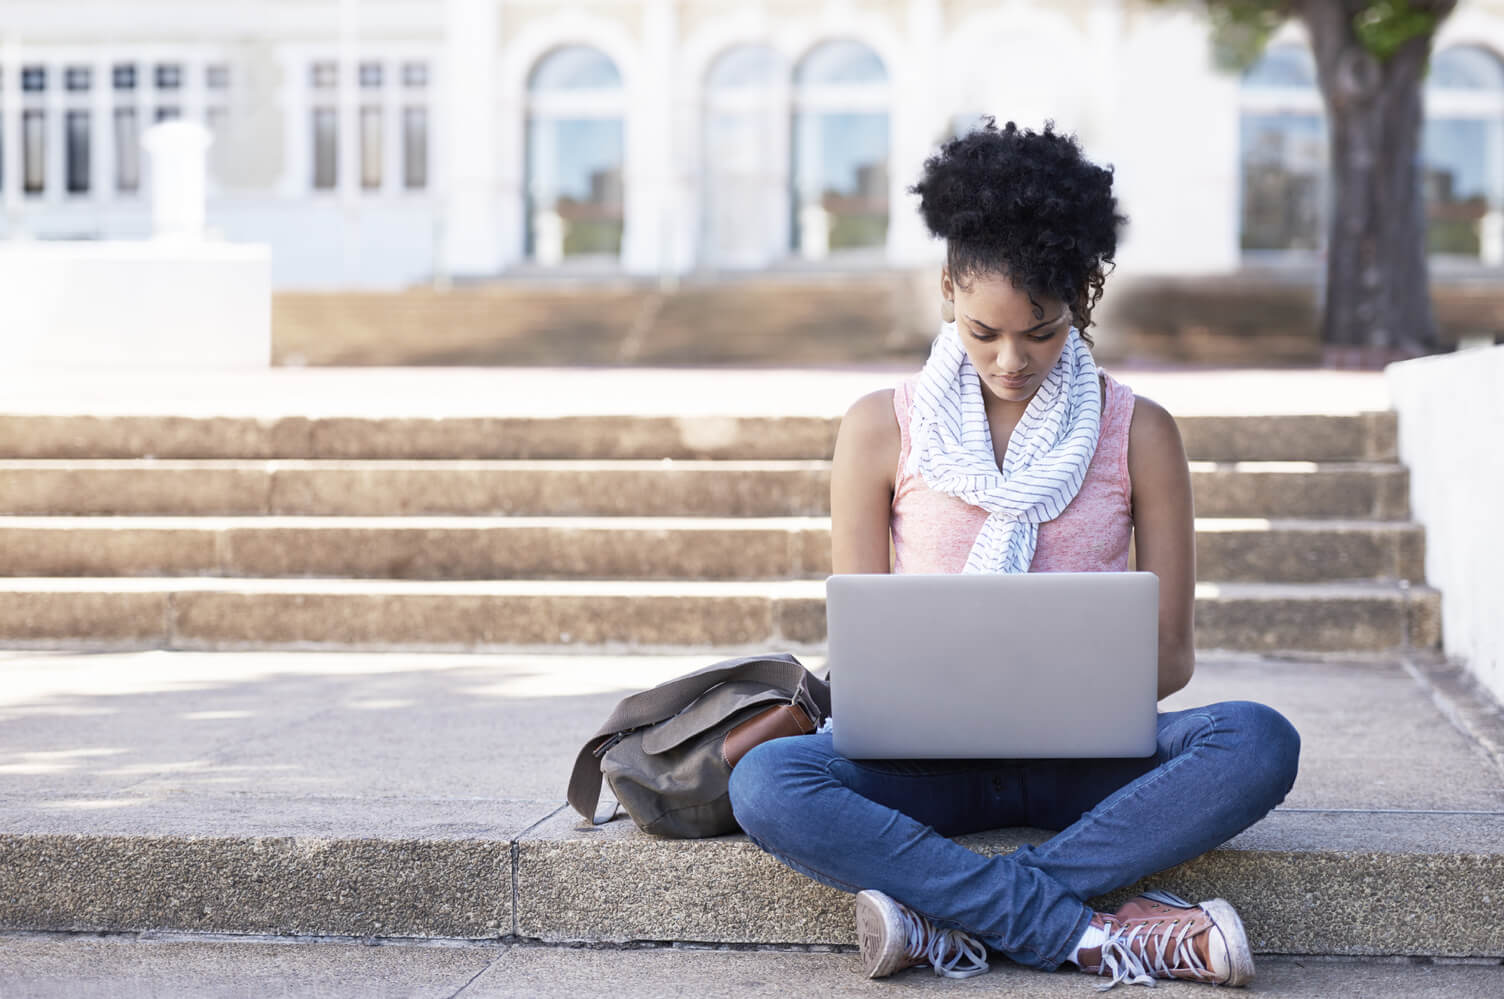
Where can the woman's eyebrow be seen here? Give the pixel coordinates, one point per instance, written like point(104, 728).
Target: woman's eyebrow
point(1031, 329)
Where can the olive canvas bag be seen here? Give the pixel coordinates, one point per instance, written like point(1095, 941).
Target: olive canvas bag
point(668, 751)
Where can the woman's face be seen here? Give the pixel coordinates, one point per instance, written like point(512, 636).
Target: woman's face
point(1013, 342)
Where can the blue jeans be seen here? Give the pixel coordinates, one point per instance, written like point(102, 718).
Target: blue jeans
point(886, 824)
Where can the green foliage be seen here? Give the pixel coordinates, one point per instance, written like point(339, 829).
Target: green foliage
point(592, 236)
point(1241, 28)
point(1456, 236)
point(849, 232)
point(1385, 26)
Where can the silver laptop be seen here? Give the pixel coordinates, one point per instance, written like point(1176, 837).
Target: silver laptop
point(993, 666)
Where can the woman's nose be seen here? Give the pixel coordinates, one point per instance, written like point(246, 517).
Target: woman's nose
point(1010, 359)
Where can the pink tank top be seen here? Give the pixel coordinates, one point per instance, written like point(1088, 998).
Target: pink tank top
point(933, 532)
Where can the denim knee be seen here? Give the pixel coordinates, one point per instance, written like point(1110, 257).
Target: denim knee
point(1273, 746)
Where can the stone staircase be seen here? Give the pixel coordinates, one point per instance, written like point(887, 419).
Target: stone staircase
point(360, 793)
point(634, 533)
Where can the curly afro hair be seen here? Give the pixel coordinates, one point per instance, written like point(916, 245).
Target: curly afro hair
point(1026, 205)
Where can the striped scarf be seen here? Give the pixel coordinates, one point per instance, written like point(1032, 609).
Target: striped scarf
point(1047, 456)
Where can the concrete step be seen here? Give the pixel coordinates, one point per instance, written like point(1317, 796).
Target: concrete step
point(599, 488)
point(569, 488)
point(689, 548)
point(1307, 551)
point(1318, 438)
point(157, 966)
point(202, 613)
point(420, 796)
point(1354, 490)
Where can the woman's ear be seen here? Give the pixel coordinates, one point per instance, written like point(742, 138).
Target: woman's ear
point(947, 296)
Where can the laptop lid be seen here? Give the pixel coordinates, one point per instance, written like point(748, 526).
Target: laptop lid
point(995, 665)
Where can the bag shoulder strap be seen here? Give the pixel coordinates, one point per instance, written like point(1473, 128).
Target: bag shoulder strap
point(666, 700)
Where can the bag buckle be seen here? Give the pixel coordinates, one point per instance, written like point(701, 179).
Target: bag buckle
point(804, 702)
point(604, 747)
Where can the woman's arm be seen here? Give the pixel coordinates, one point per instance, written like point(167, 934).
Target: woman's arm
point(861, 485)
point(1164, 530)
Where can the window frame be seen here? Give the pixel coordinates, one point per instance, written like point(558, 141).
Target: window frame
point(391, 100)
point(825, 99)
point(1487, 106)
point(597, 103)
point(1304, 101)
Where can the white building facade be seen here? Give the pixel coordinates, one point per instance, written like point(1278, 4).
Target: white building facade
point(384, 143)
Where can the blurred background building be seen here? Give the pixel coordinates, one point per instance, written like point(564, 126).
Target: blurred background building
point(379, 144)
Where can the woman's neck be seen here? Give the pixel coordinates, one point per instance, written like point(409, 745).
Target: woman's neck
point(1004, 410)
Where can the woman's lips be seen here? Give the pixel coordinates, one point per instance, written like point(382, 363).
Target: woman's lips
point(1012, 383)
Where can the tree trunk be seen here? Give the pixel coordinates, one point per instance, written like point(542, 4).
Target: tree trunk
point(1378, 300)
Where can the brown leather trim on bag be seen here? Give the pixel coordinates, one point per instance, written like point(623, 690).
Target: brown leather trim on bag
point(775, 723)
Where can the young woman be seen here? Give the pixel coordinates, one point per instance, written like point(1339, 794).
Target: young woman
point(1011, 452)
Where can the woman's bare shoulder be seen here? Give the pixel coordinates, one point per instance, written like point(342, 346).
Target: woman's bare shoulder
point(869, 431)
point(872, 419)
point(1153, 429)
point(1156, 453)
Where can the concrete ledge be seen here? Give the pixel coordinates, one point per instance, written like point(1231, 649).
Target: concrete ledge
point(1356, 437)
point(1359, 437)
point(136, 304)
point(642, 548)
point(282, 885)
point(1347, 882)
point(643, 616)
point(1308, 551)
point(597, 488)
point(1449, 405)
point(1328, 883)
point(1357, 490)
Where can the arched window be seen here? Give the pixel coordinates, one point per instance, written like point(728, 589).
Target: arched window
point(840, 149)
point(1284, 153)
point(574, 156)
point(1462, 154)
point(745, 221)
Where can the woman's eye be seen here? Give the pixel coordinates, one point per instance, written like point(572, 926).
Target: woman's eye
point(989, 337)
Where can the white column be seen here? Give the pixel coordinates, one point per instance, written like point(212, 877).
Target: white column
point(776, 172)
point(464, 120)
point(1167, 63)
point(294, 104)
point(915, 120)
point(10, 102)
point(1104, 29)
point(651, 148)
point(178, 151)
point(55, 137)
point(392, 98)
point(685, 195)
point(102, 117)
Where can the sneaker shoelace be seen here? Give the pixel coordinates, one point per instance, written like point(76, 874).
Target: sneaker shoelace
point(943, 949)
point(1133, 967)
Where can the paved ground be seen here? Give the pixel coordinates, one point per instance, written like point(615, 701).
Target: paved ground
point(127, 967)
point(430, 744)
point(478, 392)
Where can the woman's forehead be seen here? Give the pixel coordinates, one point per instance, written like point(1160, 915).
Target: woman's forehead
point(995, 297)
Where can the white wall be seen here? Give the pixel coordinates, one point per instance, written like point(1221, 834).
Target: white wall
point(161, 303)
point(1451, 424)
